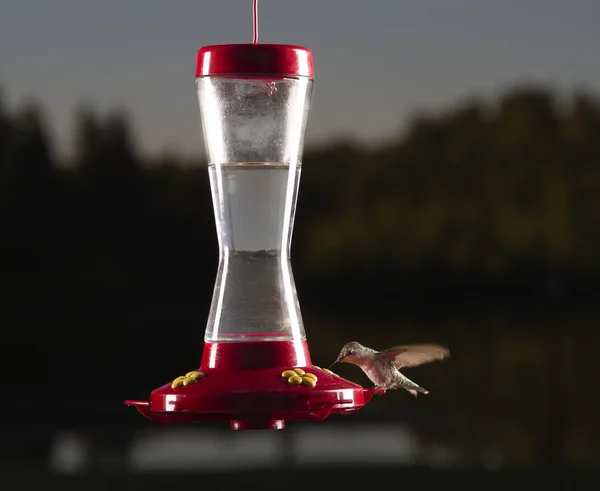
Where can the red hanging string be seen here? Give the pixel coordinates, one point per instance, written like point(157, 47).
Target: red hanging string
point(254, 21)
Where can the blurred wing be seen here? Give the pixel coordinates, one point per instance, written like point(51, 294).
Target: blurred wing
point(415, 355)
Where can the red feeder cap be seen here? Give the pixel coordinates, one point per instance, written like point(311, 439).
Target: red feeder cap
point(254, 59)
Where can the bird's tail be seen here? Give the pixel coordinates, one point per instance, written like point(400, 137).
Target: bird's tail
point(415, 392)
point(414, 389)
point(411, 387)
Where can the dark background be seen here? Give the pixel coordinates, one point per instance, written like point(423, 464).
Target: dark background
point(476, 228)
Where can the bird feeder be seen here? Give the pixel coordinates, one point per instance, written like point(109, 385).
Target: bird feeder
point(256, 370)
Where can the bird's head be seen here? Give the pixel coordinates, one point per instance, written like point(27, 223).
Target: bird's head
point(351, 352)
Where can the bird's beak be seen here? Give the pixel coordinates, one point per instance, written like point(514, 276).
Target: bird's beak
point(338, 360)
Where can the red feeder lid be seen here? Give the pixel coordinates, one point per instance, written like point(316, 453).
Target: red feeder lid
point(254, 59)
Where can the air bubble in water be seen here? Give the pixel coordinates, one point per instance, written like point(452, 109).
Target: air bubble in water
point(270, 88)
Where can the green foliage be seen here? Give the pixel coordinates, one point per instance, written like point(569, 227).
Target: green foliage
point(489, 188)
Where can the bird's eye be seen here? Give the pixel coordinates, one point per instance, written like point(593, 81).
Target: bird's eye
point(351, 352)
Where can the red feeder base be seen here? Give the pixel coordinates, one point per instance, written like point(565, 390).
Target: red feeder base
point(242, 382)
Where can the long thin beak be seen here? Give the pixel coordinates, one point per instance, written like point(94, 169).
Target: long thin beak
point(336, 361)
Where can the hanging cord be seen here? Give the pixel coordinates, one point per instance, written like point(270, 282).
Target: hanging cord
point(254, 21)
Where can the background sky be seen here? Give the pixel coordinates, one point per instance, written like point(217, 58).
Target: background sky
point(376, 62)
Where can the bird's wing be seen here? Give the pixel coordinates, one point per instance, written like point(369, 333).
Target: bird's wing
point(415, 354)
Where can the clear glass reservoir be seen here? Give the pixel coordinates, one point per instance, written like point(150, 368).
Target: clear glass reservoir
point(254, 129)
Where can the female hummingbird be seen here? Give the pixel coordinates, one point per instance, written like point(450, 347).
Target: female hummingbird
point(383, 367)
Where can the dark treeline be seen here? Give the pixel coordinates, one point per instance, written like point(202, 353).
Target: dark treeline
point(496, 193)
point(111, 257)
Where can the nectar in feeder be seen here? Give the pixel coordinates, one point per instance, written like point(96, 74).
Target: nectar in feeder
point(256, 370)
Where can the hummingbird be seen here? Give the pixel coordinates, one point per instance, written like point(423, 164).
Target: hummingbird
point(383, 367)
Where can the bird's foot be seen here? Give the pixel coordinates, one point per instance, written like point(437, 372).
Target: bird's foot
point(379, 390)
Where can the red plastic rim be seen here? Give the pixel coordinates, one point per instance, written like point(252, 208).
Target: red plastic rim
point(243, 382)
point(254, 60)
